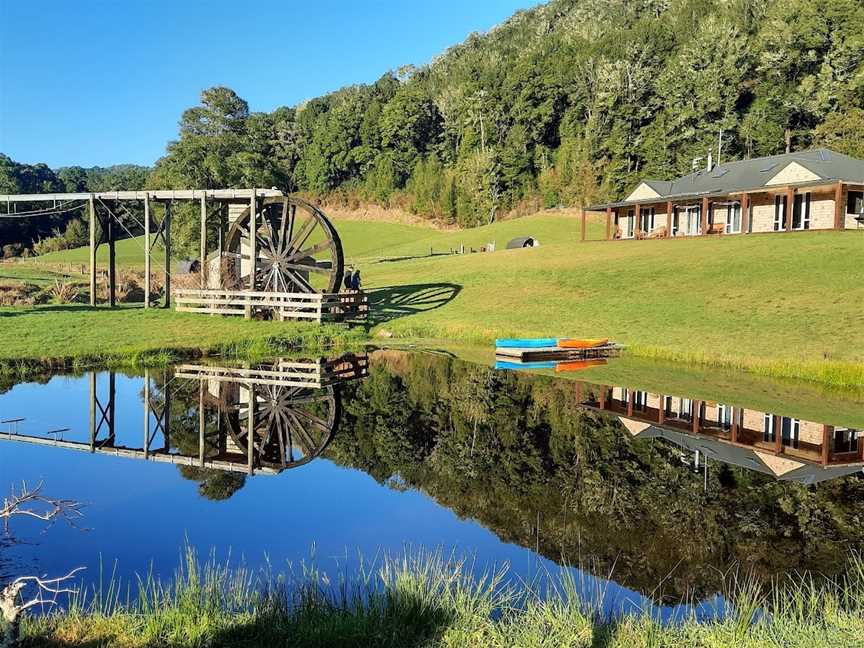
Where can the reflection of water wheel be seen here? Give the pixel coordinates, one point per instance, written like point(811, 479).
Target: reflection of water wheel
point(292, 425)
point(297, 248)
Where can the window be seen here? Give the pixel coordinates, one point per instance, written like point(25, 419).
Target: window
point(724, 417)
point(768, 428)
point(855, 202)
point(779, 213)
point(750, 216)
point(733, 218)
point(845, 440)
point(640, 400)
point(789, 429)
point(685, 409)
point(667, 406)
point(646, 218)
point(801, 212)
point(630, 224)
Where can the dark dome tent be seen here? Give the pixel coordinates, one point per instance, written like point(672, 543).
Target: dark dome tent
point(523, 242)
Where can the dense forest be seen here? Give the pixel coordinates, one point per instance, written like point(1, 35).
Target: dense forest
point(563, 104)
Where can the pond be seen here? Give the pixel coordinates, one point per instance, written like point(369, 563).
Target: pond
point(650, 498)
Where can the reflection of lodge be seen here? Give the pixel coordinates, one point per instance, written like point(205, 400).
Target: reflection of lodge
point(201, 415)
point(788, 448)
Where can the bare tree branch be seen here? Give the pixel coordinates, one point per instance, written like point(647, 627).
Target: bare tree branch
point(32, 503)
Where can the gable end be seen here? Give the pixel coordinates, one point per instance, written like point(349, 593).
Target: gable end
point(643, 191)
point(792, 173)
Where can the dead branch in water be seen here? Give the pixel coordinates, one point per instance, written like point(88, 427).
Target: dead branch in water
point(32, 503)
point(26, 592)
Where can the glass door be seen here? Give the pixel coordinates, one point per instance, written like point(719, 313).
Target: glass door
point(733, 218)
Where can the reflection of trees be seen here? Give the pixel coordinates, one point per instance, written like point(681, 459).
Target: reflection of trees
point(216, 485)
point(601, 496)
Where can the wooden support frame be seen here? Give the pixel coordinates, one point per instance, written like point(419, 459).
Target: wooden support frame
point(91, 207)
point(253, 244)
point(827, 434)
point(166, 238)
point(706, 207)
point(790, 207)
point(202, 269)
point(670, 214)
point(745, 213)
point(147, 251)
point(608, 223)
point(839, 207)
point(582, 210)
point(637, 218)
point(112, 259)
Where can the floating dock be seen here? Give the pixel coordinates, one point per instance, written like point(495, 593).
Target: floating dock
point(554, 353)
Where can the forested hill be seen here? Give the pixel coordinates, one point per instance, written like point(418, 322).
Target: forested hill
point(568, 102)
point(563, 104)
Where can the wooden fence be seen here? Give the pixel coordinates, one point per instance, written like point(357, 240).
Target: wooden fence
point(286, 373)
point(317, 307)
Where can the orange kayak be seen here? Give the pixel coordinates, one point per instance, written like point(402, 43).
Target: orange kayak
point(584, 343)
point(578, 365)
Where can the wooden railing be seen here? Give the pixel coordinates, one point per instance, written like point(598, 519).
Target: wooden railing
point(317, 307)
point(291, 373)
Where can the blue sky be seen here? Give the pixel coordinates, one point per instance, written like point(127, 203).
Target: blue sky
point(96, 82)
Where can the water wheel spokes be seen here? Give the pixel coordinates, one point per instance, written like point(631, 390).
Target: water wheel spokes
point(292, 425)
point(297, 248)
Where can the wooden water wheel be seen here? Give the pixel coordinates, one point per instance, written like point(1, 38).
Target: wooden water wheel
point(297, 248)
point(292, 425)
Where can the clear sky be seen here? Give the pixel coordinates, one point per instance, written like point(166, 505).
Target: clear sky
point(93, 82)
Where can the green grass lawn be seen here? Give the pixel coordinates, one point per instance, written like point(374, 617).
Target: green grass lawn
point(12, 273)
point(367, 240)
point(76, 334)
point(788, 305)
point(784, 305)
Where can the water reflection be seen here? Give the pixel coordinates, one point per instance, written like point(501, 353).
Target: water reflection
point(210, 420)
point(784, 447)
point(512, 465)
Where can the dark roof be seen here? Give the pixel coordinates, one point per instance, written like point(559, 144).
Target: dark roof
point(807, 473)
point(748, 175)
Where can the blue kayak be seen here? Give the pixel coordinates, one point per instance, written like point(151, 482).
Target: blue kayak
point(526, 343)
point(521, 366)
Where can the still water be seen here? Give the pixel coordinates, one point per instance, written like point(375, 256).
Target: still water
point(654, 498)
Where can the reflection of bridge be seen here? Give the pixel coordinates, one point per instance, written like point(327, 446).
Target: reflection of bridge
point(784, 447)
point(202, 415)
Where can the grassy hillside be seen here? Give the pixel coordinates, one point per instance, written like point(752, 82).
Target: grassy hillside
point(370, 240)
point(783, 304)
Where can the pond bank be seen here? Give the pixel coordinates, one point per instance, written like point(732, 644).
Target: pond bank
point(75, 337)
point(429, 600)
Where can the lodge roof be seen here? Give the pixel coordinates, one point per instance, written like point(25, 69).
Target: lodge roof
point(799, 471)
point(801, 168)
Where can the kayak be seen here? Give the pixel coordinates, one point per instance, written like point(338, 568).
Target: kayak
point(578, 365)
point(501, 364)
point(581, 343)
point(526, 343)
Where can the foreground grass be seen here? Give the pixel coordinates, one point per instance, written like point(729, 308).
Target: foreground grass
point(427, 600)
point(778, 305)
point(78, 336)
